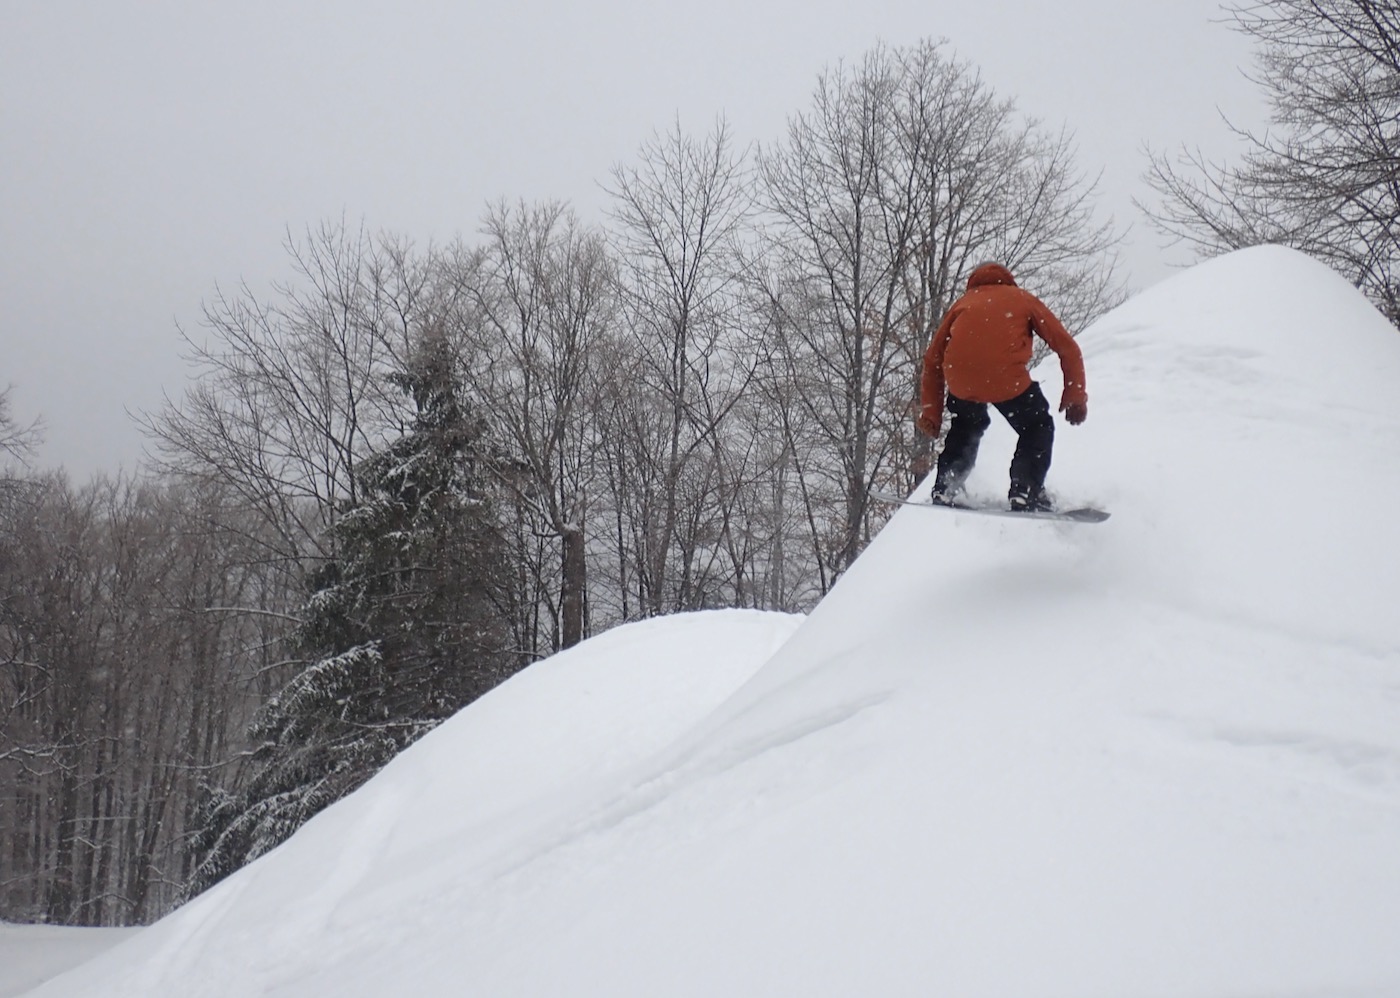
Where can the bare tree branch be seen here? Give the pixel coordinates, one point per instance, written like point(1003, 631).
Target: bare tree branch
point(1325, 177)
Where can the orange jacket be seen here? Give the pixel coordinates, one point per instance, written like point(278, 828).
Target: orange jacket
point(983, 345)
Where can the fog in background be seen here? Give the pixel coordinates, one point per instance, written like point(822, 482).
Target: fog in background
point(150, 151)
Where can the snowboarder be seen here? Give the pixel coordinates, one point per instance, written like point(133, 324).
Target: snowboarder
point(980, 356)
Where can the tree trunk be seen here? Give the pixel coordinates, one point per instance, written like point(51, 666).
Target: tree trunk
point(575, 581)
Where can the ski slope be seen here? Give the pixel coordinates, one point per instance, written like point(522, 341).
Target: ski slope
point(1158, 756)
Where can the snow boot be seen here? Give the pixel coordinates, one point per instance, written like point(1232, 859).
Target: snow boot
point(945, 494)
point(1035, 501)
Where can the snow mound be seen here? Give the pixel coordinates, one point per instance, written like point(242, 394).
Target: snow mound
point(520, 757)
point(1159, 756)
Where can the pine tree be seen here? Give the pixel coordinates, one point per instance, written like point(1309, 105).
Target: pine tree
point(401, 628)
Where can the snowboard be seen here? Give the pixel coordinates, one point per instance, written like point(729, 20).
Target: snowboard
point(1084, 514)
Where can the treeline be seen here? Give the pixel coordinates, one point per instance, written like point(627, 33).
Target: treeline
point(127, 677)
point(409, 472)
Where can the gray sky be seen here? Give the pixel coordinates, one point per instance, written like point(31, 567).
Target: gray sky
point(149, 150)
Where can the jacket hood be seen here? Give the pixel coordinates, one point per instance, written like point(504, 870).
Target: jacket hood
point(989, 273)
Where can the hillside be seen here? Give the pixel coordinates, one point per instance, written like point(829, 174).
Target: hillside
point(1160, 756)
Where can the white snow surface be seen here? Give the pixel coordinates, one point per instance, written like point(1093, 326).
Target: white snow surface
point(1157, 756)
point(30, 954)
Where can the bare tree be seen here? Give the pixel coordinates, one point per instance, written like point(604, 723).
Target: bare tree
point(985, 183)
point(122, 685)
point(1325, 176)
point(906, 169)
point(539, 301)
point(17, 440)
point(290, 394)
point(842, 247)
point(678, 216)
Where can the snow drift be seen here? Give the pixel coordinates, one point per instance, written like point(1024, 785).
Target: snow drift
point(31, 954)
point(1159, 756)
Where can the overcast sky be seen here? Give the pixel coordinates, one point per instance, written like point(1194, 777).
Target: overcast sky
point(151, 150)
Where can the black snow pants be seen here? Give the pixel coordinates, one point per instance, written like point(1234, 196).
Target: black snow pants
point(1028, 414)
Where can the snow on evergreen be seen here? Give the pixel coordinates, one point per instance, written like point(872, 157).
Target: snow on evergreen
point(393, 627)
point(1158, 756)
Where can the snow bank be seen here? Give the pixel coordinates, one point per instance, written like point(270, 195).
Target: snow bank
point(1160, 756)
point(520, 756)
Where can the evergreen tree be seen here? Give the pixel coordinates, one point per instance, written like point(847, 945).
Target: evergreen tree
point(401, 628)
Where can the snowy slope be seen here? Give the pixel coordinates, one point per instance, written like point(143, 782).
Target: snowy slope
point(1159, 756)
point(546, 738)
point(31, 954)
